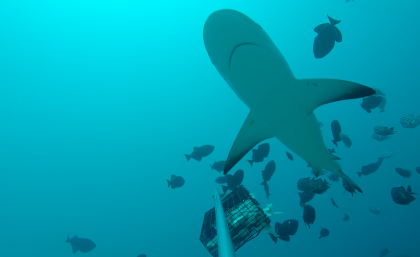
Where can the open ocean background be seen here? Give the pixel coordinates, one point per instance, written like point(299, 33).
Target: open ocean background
point(100, 100)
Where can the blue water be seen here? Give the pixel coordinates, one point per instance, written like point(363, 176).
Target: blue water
point(100, 100)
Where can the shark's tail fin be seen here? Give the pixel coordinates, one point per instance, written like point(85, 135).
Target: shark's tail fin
point(188, 157)
point(251, 162)
point(332, 21)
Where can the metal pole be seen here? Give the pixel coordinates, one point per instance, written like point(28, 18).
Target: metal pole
point(224, 242)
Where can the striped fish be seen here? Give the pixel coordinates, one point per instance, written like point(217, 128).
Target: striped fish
point(410, 121)
point(318, 186)
point(380, 138)
point(304, 184)
point(387, 154)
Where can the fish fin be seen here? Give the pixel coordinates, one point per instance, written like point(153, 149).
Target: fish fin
point(318, 28)
point(360, 174)
point(172, 177)
point(332, 21)
point(349, 181)
point(335, 157)
point(225, 189)
point(264, 183)
point(273, 237)
point(316, 171)
point(198, 158)
point(323, 91)
point(253, 131)
point(338, 36)
point(68, 239)
point(188, 156)
point(169, 182)
point(335, 142)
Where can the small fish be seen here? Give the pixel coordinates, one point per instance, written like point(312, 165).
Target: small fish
point(403, 173)
point(235, 180)
point(346, 217)
point(218, 166)
point(334, 177)
point(260, 153)
point(289, 156)
point(320, 124)
point(83, 245)
point(402, 196)
point(200, 152)
point(328, 34)
point(287, 229)
point(371, 102)
point(332, 150)
point(410, 121)
point(223, 179)
point(375, 210)
point(308, 215)
point(269, 170)
point(387, 154)
point(346, 140)
point(384, 252)
point(370, 168)
point(333, 203)
point(175, 182)
point(266, 188)
point(324, 233)
point(336, 130)
point(383, 131)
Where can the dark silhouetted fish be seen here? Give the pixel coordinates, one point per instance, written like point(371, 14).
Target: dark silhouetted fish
point(370, 168)
point(334, 177)
point(260, 153)
point(346, 217)
point(375, 210)
point(235, 180)
point(175, 182)
point(402, 196)
point(346, 140)
point(83, 245)
point(324, 233)
point(266, 188)
point(333, 202)
point(200, 152)
point(403, 173)
point(287, 229)
point(384, 252)
point(317, 186)
point(219, 166)
point(336, 130)
point(418, 170)
point(223, 179)
point(348, 187)
point(269, 170)
point(371, 102)
point(332, 150)
point(328, 33)
point(383, 131)
point(289, 156)
point(305, 197)
point(308, 215)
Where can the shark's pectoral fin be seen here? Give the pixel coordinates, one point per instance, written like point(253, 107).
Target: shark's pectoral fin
point(253, 131)
point(316, 92)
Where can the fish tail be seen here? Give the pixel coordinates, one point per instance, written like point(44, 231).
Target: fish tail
point(251, 162)
point(360, 174)
point(268, 196)
point(68, 239)
point(169, 182)
point(211, 166)
point(332, 21)
point(264, 183)
point(188, 157)
point(335, 142)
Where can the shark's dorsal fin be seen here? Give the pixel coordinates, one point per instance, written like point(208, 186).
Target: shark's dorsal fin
point(253, 131)
point(316, 92)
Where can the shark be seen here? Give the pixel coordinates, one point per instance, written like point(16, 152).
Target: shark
point(281, 105)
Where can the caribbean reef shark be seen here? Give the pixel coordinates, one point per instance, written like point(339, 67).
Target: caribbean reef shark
point(280, 105)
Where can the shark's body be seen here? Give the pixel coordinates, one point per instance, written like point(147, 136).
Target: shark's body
point(281, 105)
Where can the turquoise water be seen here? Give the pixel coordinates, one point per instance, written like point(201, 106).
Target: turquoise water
point(100, 100)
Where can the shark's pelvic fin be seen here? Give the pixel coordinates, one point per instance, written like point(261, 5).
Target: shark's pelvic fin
point(316, 92)
point(253, 131)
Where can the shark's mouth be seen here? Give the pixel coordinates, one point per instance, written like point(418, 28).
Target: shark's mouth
point(236, 47)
